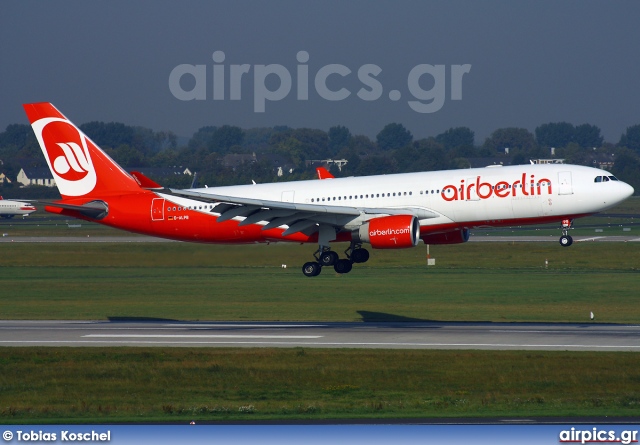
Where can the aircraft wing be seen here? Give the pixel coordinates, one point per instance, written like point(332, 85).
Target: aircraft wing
point(298, 216)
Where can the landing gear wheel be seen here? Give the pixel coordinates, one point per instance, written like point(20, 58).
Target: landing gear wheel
point(343, 266)
point(566, 240)
point(311, 269)
point(360, 255)
point(328, 258)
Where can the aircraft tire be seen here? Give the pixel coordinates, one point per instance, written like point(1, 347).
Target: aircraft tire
point(311, 269)
point(343, 266)
point(328, 258)
point(566, 240)
point(360, 255)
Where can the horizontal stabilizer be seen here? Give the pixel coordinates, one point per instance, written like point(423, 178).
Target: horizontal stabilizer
point(93, 209)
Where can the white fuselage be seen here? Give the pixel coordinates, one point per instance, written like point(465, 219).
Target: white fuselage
point(9, 208)
point(491, 196)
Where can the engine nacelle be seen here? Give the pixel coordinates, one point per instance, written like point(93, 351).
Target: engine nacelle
point(456, 236)
point(389, 232)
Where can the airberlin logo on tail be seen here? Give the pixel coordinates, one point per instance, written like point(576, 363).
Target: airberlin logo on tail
point(72, 164)
point(67, 153)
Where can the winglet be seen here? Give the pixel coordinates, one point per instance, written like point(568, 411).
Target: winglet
point(323, 173)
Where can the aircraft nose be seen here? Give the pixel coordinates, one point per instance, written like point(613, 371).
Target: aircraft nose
point(625, 191)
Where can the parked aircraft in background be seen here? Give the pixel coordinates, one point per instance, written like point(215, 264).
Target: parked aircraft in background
point(387, 212)
point(9, 209)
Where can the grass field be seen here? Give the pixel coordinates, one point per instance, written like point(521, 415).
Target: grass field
point(473, 281)
point(120, 384)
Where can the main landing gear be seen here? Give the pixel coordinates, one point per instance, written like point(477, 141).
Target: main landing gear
point(326, 257)
point(565, 239)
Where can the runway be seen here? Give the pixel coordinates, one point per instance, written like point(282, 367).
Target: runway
point(406, 335)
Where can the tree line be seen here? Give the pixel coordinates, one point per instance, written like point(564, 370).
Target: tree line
point(394, 150)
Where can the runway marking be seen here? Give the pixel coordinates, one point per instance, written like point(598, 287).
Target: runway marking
point(517, 331)
point(589, 239)
point(198, 336)
point(223, 325)
point(117, 328)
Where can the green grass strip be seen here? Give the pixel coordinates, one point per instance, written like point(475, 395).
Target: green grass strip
point(471, 282)
point(169, 384)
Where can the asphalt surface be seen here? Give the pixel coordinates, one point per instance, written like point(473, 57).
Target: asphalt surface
point(405, 335)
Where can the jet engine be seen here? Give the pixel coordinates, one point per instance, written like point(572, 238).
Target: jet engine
point(389, 232)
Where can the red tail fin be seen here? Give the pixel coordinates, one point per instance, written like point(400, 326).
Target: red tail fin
point(323, 173)
point(79, 167)
point(145, 183)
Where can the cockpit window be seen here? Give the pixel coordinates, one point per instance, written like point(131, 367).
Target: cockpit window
point(605, 179)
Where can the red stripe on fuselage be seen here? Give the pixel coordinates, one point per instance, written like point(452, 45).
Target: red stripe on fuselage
point(132, 212)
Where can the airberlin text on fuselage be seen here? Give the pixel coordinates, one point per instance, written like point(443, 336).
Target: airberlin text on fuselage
point(527, 185)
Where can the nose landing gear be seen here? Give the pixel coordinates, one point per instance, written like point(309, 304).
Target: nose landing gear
point(566, 240)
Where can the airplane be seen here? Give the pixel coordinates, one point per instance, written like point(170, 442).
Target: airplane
point(9, 209)
point(385, 211)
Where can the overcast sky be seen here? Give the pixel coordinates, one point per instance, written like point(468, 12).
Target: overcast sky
point(530, 63)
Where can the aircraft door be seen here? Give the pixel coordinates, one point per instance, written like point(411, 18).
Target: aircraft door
point(564, 183)
point(157, 209)
point(288, 196)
